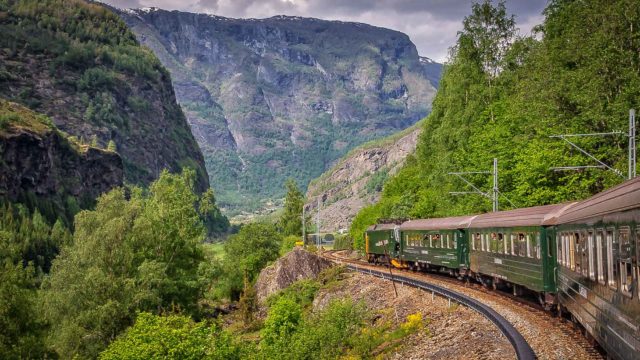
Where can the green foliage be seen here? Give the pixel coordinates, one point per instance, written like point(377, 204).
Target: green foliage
point(502, 96)
point(171, 337)
point(21, 329)
point(136, 253)
point(290, 221)
point(111, 146)
point(288, 243)
point(282, 321)
point(215, 222)
point(246, 253)
point(324, 335)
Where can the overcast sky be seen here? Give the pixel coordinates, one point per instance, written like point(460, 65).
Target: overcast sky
point(431, 24)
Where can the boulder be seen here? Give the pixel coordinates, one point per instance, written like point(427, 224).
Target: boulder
point(297, 265)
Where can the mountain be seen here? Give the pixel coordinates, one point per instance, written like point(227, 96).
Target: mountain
point(357, 179)
point(79, 64)
point(269, 99)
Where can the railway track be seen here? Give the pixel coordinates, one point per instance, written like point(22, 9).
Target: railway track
point(546, 336)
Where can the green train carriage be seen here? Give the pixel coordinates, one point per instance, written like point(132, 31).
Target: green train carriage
point(515, 249)
point(435, 244)
point(598, 246)
point(381, 244)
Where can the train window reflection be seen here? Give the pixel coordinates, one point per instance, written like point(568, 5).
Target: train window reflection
point(590, 245)
point(522, 245)
point(610, 266)
point(626, 268)
point(600, 257)
point(500, 243)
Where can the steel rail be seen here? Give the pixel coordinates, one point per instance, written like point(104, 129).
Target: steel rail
point(521, 346)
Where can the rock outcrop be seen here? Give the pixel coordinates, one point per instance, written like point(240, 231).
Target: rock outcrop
point(37, 159)
point(297, 265)
point(357, 180)
point(269, 99)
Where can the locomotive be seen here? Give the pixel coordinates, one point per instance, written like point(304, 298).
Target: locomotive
point(581, 258)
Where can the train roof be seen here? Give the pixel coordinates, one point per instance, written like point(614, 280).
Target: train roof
point(531, 216)
point(379, 227)
point(448, 223)
point(625, 196)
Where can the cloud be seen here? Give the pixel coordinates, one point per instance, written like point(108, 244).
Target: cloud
point(431, 24)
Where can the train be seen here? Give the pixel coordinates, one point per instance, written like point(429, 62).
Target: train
point(581, 259)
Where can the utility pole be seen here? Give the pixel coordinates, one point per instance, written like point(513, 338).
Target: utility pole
point(632, 144)
point(631, 173)
point(318, 224)
point(304, 234)
point(495, 191)
point(495, 184)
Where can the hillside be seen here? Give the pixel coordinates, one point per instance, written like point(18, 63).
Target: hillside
point(42, 167)
point(79, 64)
point(579, 74)
point(357, 179)
point(269, 99)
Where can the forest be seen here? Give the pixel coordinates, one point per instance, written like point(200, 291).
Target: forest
point(503, 94)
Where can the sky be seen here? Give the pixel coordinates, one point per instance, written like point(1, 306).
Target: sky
point(432, 25)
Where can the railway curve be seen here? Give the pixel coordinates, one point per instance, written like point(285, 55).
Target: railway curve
point(571, 341)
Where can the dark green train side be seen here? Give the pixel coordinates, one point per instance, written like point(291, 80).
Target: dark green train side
point(582, 258)
point(381, 243)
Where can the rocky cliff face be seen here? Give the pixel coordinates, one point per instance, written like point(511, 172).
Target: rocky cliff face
point(37, 159)
point(269, 99)
point(79, 64)
point(357, 180)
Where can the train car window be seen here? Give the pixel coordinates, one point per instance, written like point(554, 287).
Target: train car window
point(494, 242)
point(568, 251)
point(500, 243)
point(637, 241)
point(560, 241)
point(600, 257)
point(455, 241)
point(507, 244)
point(482, 242)
point(577, 255)
point(610, 265)
point(536, 245)
point(475, 243)
point(585, 254)
point(441, 241)
point(529, 246)
point(626, 267)
point(522, 245)
point(512, 242)
point(549, 246)
point(572, 252)
point(590, 248)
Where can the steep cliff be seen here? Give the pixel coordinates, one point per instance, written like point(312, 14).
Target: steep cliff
point(79, 64)
point(357, 180)
point(40, 163)
point(269, 99)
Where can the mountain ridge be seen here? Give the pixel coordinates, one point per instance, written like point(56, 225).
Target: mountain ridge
point(268, 99)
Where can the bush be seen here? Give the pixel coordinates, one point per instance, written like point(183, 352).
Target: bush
point(171, 337)
point(288, 243)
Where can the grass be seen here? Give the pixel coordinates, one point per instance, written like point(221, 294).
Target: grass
point(13, 115)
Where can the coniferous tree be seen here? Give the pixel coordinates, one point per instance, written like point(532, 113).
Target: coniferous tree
point(290, 222)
